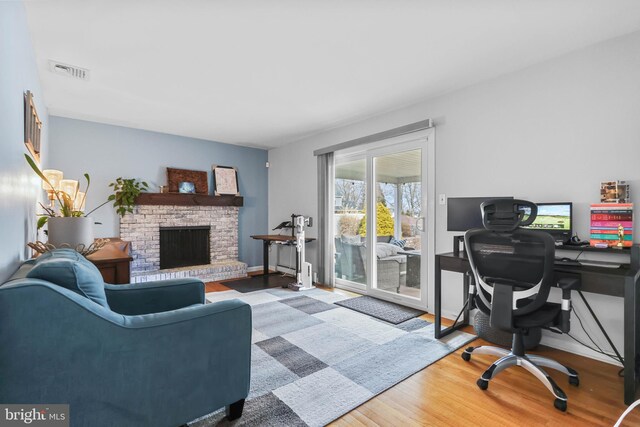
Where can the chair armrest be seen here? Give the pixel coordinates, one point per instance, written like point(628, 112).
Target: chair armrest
point(154, 297)
point(569, 283)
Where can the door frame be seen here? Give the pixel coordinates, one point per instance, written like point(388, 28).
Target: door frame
point(424, 140)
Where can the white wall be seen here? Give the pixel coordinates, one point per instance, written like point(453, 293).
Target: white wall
point(19, 186)
point(551, 132)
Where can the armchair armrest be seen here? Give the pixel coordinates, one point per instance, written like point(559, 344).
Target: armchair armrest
point(154, 297)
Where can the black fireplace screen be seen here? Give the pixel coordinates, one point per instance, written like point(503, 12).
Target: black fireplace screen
point(184, 246)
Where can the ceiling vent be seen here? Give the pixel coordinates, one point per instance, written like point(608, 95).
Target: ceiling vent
point(69, 70)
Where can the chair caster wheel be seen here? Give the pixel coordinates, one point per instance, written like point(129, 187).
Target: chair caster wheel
point(482, 384)
point(560, 404)
point(465, 356)
point(574, 381)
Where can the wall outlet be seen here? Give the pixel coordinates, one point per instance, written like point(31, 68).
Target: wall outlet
point(442, 199)
point(267, 164)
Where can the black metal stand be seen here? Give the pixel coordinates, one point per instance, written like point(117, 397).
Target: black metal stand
point(604, 332)
point(456, 244)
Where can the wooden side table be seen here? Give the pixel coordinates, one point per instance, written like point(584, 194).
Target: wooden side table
point(114, 262)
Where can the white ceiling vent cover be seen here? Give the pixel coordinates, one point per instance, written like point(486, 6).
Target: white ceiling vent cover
point(69, 70)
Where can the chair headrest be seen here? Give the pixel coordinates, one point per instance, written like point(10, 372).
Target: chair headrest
point(507, 214)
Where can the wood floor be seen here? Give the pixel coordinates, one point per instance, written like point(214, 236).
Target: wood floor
point(445, 394)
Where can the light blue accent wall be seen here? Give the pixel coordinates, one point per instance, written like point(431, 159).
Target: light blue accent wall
point(19, 187)
point(107, 152)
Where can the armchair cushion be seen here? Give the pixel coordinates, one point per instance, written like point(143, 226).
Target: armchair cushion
point(72, 271)
point(399, 243)
point(384, 250)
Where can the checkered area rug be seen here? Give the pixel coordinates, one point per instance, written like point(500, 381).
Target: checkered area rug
point(313, 361)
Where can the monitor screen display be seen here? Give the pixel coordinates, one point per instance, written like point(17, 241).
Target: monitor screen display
point(553, 217)
point(463, 213)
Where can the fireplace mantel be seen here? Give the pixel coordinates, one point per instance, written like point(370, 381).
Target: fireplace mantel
point(179, 199)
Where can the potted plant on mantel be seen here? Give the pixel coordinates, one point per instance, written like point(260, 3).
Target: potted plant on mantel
point(69, 224)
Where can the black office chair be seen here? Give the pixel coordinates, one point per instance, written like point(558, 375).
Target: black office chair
point(513, 273)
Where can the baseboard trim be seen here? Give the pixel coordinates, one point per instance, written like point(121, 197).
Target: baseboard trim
point(283, 269)
point(564, 343)
point(254, 268)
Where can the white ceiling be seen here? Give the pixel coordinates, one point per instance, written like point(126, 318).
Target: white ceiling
point(265, 73)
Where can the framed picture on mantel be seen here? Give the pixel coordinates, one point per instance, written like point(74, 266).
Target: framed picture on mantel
point(225, 180)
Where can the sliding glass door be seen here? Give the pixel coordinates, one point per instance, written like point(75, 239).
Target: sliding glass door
point(381, 238)
point(349, 221)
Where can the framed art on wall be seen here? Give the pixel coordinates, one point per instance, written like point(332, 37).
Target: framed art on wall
point(225, 180)
point(32, 126)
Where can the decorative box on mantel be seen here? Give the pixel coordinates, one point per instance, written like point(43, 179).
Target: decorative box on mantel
point(172, 211)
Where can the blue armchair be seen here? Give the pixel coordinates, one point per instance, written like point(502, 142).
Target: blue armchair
point(150, 354)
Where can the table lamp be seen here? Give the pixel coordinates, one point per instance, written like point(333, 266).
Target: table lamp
point(54, 177)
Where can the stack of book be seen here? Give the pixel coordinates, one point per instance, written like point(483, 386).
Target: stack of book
point(612, 224)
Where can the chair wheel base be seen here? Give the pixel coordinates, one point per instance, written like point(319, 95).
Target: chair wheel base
point(482, 384)
point(465, 356)
point(574, 381)
point(560, 405)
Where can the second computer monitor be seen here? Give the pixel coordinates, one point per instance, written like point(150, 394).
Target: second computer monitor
point(554, 218)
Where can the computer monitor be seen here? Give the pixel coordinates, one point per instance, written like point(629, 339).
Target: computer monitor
point(463, 213)
point(554, 218)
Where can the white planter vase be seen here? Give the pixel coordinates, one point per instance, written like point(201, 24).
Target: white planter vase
point(70, 230)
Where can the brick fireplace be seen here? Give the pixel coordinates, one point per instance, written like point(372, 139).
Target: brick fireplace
point(143, 228)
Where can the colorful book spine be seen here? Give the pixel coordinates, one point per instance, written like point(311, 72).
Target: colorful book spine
point(616, 224)
point(612, 224)
point(602, 236)
point(611, 217)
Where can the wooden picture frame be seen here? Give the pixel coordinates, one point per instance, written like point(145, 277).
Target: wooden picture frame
point(32, 126)
point(225, 180)
point(199, 179)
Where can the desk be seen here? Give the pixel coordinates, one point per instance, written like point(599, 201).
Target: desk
point(620, 282)
point(267, 240)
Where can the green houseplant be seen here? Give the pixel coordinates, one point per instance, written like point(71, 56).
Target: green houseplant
point(125, 192)
point(67, 221)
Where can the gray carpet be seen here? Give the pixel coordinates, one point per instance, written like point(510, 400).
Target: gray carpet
point(313, 361)
point(383, 310)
